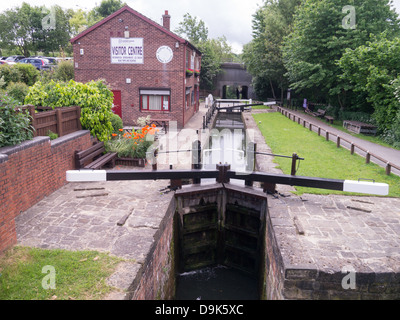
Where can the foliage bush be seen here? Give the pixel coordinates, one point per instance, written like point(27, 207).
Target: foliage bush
point(15, 124)
point(17, 90)
point(64, 71)
point(9, 73)
point(94, 98)
point(20, 72)
point(28, 73)
point(116, 122)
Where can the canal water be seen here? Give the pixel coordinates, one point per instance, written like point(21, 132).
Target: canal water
point(216, 283)
point(226, 145)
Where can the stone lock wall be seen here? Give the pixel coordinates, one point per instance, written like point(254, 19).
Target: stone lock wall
point(31, 171)
point(156, 278)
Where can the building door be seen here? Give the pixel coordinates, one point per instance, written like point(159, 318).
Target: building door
point(117, 105)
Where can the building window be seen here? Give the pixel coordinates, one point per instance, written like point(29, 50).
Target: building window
point(155, 100)
point(188, 97)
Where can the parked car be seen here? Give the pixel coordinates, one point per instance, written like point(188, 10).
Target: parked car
point(14, 58)
point(39, 64)
point(52, 61)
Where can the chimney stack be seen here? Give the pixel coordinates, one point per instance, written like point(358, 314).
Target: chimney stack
point(166, 20)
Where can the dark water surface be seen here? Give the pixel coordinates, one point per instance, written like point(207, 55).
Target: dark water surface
point(216, 283)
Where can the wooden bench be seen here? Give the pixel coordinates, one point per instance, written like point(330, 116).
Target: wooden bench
point(320, 113)
point(360, 127)
point(161, 123)
point(329, 119)
point(94, 157)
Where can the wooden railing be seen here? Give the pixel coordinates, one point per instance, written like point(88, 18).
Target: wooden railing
point(62, 120)
point(342, 142)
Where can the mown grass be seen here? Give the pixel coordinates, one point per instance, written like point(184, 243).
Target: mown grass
point(79, 275)
point(322, 158)
point(261, 106)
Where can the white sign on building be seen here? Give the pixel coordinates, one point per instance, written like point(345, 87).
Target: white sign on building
point(127, 51)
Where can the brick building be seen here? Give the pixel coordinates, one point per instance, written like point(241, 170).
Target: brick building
point(150, 70)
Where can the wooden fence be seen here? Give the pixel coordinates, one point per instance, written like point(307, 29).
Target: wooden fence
point(62, 120)
point(342, 142)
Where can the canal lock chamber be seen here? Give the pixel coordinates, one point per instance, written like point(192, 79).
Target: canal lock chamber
point(221, 227)
point(220, 243)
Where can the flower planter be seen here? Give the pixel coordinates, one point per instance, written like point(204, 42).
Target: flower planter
point(131, 162)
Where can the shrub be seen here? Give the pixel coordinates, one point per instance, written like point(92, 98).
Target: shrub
point(15, 124)
point(94, 98)
point(116, 122)
point(28, 73)
point(52, 135)
point(10, 73)
point(64, 71)
point(18, 90)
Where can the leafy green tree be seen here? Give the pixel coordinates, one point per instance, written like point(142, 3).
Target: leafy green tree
point(30, 29)
point(214, 51)
point(193, 30)
point(108, 7)
point(263, 56)
point(372, 71)
point(321, 33)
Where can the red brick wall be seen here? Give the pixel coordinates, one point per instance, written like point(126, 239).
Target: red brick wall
point(31, 171)
point(95, 63)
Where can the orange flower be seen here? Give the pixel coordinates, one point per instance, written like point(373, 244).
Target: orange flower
point(114, 134)
point(121, 130)
point(153, 125)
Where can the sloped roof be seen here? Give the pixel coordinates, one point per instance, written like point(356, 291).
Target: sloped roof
point(139, 15)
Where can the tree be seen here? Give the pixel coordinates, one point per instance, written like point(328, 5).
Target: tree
point(321, 33)
point(108, 7)
point(193, 30)
point(214, 51)
point(30, 29)
point(372, 71)
point(263, 56)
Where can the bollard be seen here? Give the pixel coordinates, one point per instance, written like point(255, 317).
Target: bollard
point(294, 160)
point(388, 168)
point(196, 158)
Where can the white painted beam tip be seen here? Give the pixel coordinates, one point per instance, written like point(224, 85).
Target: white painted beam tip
point(373, 188)
point(86, 175)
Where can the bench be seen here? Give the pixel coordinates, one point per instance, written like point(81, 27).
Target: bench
point(360, 127)
point(161, 123)
point(94, 157)
point(320, 113)
point(329, 119)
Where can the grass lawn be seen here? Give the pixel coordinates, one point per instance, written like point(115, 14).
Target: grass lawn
point(322, 158)
point(79, 275)
point(261, 106)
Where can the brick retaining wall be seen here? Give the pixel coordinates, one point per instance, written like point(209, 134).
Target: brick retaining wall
point(31, 171)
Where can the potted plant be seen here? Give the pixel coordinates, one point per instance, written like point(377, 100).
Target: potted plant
point(131, 147)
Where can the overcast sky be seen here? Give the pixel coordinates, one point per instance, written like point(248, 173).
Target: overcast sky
point(232, 18)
